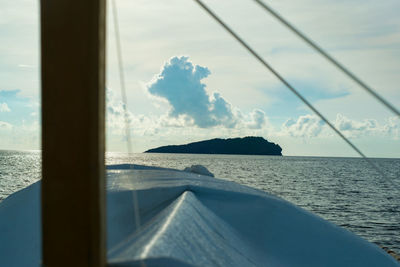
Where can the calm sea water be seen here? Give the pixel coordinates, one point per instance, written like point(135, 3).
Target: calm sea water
point(345, 191)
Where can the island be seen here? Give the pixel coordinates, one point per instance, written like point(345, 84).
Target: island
point(250, 145)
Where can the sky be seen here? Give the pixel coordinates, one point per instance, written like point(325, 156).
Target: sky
point(188, 80)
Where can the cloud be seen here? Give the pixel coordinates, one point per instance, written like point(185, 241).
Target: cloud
point(4, 107)
point(18, 129)
point(259, 119)
point(309, 126)
point(352, 128)
point(14, 108)
point(137, 124)
point(5, 125)
point(368, 127)
point(26, 66)
point(392, 127)
point(304, 126)
point(197, 113)
point(115, 114)
point(180, 84)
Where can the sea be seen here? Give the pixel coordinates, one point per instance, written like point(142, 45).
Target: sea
point(345, 191)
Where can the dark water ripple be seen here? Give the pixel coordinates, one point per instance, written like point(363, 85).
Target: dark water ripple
point(345, 191)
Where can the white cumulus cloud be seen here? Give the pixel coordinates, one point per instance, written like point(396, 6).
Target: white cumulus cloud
point(4, 107)
point(180, 83)
point(258, 119)
point(353, 128)
point(309, 126)
point(304, 126)
point(392, 127)
point(368, 127)
point(5, 125)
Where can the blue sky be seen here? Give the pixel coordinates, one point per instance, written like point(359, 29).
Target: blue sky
point(188, 80)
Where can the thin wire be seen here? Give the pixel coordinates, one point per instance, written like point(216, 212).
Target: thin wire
point(289, 86)
point(125, 104)
point(329, 58)
point(121, 76)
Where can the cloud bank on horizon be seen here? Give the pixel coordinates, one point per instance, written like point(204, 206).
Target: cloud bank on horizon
point(310, 126)
point(19, 122)
point(181, 84)
point(194, 113)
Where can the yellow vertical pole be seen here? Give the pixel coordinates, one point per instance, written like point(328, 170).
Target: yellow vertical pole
point(73, 100)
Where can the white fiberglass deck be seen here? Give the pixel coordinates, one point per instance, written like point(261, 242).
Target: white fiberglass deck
point(193, 220)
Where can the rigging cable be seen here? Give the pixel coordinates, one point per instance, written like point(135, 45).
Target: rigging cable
point(125, 105)
point(289, 86)
point(329, 58)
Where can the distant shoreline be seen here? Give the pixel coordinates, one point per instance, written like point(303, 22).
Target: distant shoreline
point(250, 145)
